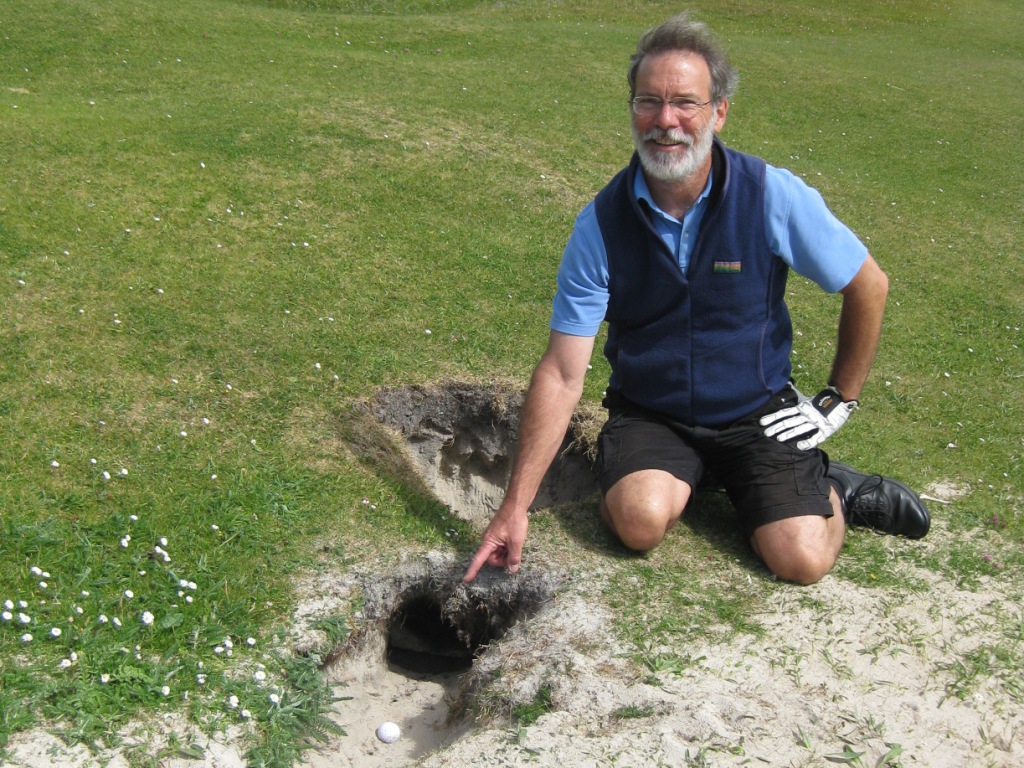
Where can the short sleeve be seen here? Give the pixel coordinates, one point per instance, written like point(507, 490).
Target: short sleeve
point(807, 235)
point(581, 300)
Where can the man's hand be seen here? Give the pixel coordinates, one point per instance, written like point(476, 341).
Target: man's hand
point(811, 421)
point(502, 544)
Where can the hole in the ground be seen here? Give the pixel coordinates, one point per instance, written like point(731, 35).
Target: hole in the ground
point(432, 633)
point(421, 655)
point(421, 640)
point(462, 439)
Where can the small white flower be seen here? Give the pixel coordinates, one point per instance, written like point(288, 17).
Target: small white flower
point(192, 586)
point(228, 643)
point(124, 472)
point(246, 714)
point(183, 433)
point(201, 679)
point(79, 610)
point(275, 699)
point(117, 622)
point(85, 593)
point(8, 605)
point(233, 701)
point(259, 676)
point(125, 541)
point(7, 615)
point(92, 461)
point(106, 475)
point(188, 598)
point(26, 638)
point(163, 541)
point(65, 664)
point(103, 619)
point(214, 527)
point(218, 650)
point(55, 464)
point(133, 518)
point(251, 642)
point(105, 678)
point(55, 632)
point(43, 585)
point(22, 604)
point(147, 618)
point(129, 594)
point(24, 618)
point(74, 656)
point(182, 583)
point(36, 570)
point(166, 690)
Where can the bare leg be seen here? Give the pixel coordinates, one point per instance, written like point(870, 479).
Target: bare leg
point(642, 507)
point(802, 549)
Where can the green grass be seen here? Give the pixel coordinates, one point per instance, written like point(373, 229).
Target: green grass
point(220, 222)
point(530, 713)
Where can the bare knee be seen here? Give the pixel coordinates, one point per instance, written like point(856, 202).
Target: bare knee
point(801, 566)
point(801, 550)
point(639, 526)
point(637, 531)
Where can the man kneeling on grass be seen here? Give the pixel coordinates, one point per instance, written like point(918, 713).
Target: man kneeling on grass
point(685, 254)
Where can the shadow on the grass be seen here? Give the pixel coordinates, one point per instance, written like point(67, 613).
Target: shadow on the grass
point(709, 518)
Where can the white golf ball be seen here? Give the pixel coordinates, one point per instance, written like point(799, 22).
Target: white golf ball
point(388, 732)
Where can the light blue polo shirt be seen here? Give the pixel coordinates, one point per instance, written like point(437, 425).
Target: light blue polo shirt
point(800, 228)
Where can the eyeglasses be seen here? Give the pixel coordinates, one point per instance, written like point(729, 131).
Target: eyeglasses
point(648, 106)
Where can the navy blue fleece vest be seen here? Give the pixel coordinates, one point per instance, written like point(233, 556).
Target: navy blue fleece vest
point(711, 345)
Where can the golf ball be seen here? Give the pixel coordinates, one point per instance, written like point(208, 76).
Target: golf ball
point(388, 732)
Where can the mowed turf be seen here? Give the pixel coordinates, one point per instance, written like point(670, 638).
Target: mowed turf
point(222, 222)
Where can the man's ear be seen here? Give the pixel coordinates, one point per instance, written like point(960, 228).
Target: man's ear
point(721, 110)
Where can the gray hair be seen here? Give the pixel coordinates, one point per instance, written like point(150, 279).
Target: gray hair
point(681, 33)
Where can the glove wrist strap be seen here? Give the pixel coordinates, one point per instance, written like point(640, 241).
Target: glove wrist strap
point(853, 402)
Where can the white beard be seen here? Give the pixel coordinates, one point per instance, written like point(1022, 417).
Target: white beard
point(672, 168)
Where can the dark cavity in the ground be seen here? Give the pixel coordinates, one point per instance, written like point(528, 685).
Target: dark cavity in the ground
point(422, 641)
point(438, 629)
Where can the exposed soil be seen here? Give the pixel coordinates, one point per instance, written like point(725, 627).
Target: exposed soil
point(840, 675)
point(461, 440)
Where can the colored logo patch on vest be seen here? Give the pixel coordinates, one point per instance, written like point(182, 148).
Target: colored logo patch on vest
point(728, 267)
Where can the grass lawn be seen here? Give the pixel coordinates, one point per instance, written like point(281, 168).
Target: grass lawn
point(223, 222)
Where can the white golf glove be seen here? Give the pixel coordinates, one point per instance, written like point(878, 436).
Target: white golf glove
point(811, 421)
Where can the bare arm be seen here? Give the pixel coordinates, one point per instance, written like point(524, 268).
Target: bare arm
point(554, 391)
point(860, 328)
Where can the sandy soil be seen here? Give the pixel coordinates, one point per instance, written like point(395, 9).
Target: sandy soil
point(840, 670)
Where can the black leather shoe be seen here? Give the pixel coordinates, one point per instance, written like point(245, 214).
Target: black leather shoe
point(881, 503)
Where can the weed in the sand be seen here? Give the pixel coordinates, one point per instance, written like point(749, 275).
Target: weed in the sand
point(529, 713)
